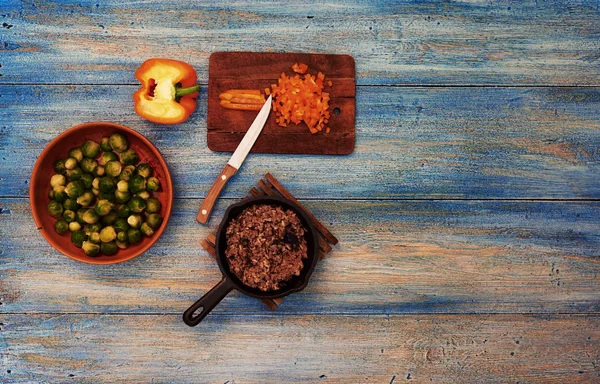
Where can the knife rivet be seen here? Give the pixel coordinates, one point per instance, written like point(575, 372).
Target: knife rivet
point(223, 177)
point(204, 211)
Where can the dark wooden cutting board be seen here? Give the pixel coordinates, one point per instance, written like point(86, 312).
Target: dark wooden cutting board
point(251, 70)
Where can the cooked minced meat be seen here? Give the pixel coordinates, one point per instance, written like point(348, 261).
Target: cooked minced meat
point(265, 246)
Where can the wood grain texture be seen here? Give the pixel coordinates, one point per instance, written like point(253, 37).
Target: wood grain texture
point(325, 349)
point(393, 257)
point(394, 42)
point(410, 143)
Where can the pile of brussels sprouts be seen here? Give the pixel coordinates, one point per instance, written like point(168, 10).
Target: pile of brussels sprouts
point(103, 196)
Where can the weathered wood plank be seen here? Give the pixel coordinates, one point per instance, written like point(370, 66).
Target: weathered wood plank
point(324, 349)
point(410, 143)
point(409, 42)
point(393, 257)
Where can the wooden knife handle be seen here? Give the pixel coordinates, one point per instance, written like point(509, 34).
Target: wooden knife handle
point(213, 193)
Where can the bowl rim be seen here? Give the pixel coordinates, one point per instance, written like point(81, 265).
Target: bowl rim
point(104, 124)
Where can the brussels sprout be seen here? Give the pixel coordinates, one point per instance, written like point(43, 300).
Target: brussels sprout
point(76, 153)
point(51, 194)
point(74, 189)
point(90, 149)
point(127, 172)
point(122, 244)
point(107, 184)
point(121, 225)
point(129, 157)
point(61, 226)
point(110, 196)
point(74, 174)
point(107, 157)
point(123, 186)
point(152, 184)
point(77, 238)
point(134, 221)
point(59, 166)
point(137, 184)
point(59, 194)
point(110, 218)
point(90, 248)
point(90, 216)
point(55, 209)
point(95, 191)
point(70, 163)
point(88, 165)
point(57, 180)
point(86, 199)
point(94, 237)
point(144, 170)
point(91, 228)
point(86, 180)
point(144, 195)
point(71, 204)
point(69, 215)
point(96, 182)
point(105, 144)
point(108, 234)
point(113, 168)
point(99, 171)
point(136, 204)
point(79, 215)
point(123, 211)
point(103, 207)
point(74, 226)
point(109, 248)
point(134, 236)
point(122, 197)
point(118, 142)
point(147, 230)
point(154, 220)
point(122, 236)
point(152, 205)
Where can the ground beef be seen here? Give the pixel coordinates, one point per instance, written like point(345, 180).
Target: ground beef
point(265, 246)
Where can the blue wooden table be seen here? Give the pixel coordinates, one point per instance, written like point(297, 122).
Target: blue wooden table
point(468, 214)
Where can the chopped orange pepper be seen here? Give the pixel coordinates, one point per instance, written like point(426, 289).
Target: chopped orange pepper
point(300, 68)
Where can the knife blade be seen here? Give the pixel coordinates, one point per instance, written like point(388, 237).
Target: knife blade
point(234, 163)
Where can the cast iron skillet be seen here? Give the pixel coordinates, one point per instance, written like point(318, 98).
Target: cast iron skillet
point(194, 315)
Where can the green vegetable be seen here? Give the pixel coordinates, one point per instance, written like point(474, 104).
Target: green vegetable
point(79, 215)
point(56, 180)
point(99, 170)
point(137, 184)
point(122, 197)
point(59, 193)
point(55, 209)
point(95, 191)
point(118, 142)
point(94, 237)
point(154, 220)
point(121, 225)
point(105, 144)
point(108, 234)
point(113, 168)
point(71, 204)
point(61, 226)
point(122, 236)
point(69, 215)
point(91, 228)
point(134, 221)
point(136, 204)
point(107, 184)
point(74, 189)
point(103, 207)
point(134, 236)
point(144, 170)
point(90, 149)
point(86, 199)
point(152, 205)
point(76, 153)
point(147, 230)
point(129, 157)
point(122, 244)
point(70, 163)
point(110, 196)
point(74, 226)
point(108, 156)
point(123, 186)
point(74, 174)
point(88, 165)
point(51, 194)
point(90, 216)
point(144, 195)
point(109, 248)
point(127, 172)
point(123, 211)
point(59, 166)
point(77, 238)
point(90, 248)
point(110, 218)
point(152, 184)
point(86, 180)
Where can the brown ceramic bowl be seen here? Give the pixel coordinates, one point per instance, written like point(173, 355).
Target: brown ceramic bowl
point(57, 149)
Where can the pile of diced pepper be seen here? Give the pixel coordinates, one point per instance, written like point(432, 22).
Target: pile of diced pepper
point(102, 195)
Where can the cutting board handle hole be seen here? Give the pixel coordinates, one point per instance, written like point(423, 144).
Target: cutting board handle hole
point(336, 111)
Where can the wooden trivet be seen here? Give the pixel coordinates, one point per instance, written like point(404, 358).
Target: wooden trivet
point(270, 186)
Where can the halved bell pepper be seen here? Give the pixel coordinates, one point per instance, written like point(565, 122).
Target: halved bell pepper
point(168, 93)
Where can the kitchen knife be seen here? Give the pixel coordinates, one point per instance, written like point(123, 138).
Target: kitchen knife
point(235, 162)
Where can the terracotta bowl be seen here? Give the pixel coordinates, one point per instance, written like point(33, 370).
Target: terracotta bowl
point(58, 149)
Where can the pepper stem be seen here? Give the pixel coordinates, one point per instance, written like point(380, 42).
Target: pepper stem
point(179, 92)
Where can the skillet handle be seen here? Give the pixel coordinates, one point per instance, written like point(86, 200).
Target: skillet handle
point(207, 302)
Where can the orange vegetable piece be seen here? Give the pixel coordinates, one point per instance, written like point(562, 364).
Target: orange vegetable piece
point(300, 68)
